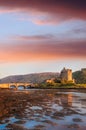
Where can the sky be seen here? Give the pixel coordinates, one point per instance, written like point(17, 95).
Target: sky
point(42, 36)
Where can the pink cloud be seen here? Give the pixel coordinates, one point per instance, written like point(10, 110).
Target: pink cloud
point(53, 10)
point(42, 51)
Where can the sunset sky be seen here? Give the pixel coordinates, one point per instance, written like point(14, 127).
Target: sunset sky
point(42, 36)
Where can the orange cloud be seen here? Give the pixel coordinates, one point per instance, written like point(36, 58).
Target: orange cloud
point(21, 52)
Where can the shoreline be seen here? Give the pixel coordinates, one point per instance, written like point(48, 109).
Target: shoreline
point(81, 87)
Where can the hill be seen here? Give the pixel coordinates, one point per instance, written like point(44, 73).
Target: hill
point(80, 76)
point(33, 78)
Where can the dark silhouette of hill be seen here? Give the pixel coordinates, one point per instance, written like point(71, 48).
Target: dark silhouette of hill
point(80, 76)
point(33, 78)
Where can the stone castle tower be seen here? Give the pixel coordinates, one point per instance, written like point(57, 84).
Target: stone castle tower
point(66, 75)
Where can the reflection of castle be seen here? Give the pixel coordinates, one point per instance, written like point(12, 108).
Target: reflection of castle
point(66, 100)
point(66, 75)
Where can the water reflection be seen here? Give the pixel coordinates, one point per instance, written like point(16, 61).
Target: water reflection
point(66, 100)
point(43, 109)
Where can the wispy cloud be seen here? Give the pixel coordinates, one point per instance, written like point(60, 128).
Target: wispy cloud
point(79, 30)
point(33, 37)
point(53, 10)
point(45, 50)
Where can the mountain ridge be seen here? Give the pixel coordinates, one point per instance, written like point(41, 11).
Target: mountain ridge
point(79, 76)
point(33, 77)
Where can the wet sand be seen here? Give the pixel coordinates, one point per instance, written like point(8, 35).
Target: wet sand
point(52, 109)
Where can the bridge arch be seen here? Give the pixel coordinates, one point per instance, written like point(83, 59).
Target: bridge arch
point(28, 86)
point(12, 87)
point(21, 86)
point(16, 85)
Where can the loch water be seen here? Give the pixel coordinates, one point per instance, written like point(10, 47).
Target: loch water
point(46, 109)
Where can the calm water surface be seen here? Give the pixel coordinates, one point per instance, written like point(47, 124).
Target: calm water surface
point(50, 110)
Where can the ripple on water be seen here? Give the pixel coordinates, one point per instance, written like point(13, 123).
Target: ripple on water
point(56, 107)
point(36, 108)
point(5, 122)
point(31, 124)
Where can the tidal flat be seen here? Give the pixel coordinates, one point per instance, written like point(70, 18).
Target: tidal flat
point(43, 109)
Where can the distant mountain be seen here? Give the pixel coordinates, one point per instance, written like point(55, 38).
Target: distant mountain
point(33, 78)
point(80, 76)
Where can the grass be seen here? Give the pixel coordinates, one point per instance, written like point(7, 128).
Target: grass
point(81, 85)
point(60, 85)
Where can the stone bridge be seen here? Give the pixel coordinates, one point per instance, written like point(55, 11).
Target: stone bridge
point(16, 85)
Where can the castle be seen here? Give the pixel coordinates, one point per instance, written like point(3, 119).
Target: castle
point(66, 75)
